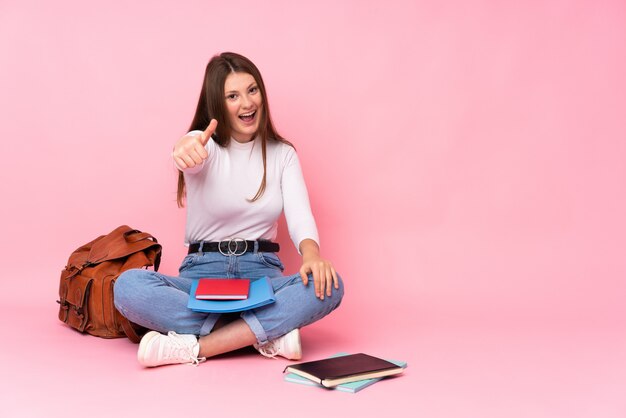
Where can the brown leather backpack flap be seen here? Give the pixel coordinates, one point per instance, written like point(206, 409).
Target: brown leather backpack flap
point(122, 242)
point(105, 245)
point(79, 258)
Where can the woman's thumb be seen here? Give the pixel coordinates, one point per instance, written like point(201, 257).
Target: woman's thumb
point(208, 131)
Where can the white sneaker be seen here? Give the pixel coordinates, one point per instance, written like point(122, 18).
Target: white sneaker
point(287, 346)
point(156, 349)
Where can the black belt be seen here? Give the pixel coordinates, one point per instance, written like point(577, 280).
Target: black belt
point(234, 246)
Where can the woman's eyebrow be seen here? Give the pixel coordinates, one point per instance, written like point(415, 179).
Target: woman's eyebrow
point(236, 91)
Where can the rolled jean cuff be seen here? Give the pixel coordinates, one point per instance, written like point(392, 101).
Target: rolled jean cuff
point(255, 327)
point(208, 324)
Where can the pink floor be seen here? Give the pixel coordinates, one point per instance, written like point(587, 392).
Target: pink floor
point(466, 370)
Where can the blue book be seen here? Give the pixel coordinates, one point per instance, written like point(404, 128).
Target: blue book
point(351, 387)
point(261, 294)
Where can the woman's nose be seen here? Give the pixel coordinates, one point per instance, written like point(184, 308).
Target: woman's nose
point(246, 102)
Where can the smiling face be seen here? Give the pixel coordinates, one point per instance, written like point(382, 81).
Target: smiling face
point(244, 105)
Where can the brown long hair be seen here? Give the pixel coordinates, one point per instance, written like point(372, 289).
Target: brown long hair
point(212, 105)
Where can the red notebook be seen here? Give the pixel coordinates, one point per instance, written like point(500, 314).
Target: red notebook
point(226, 289)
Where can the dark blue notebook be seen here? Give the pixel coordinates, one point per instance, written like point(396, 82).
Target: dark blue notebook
point(261, 294)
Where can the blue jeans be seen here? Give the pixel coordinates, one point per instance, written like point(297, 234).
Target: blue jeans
point(159, 302)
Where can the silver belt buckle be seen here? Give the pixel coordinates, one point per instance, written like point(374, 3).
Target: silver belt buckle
point(231, 251)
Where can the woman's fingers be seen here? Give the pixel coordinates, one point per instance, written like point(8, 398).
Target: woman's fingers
point(324, 278)
point(180, 163)
point(335, 278)
point(189, 162)
point(191, 150)
point(320, 281)
point(201, 151)
point(330, 278)
point(195, 156)
point(304, 276)
point(323, 281)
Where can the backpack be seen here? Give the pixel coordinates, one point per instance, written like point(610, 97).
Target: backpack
point(86, 288)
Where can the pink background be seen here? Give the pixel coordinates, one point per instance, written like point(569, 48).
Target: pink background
point(465, 162)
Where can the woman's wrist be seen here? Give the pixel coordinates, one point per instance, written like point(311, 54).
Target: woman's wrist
point(309, 248)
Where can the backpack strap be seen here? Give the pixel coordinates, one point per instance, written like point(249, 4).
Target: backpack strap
point(133, 331)
point(129, 330)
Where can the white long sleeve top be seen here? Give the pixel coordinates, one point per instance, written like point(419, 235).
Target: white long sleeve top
point(218, 193)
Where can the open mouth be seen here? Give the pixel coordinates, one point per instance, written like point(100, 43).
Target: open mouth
point(248, 117)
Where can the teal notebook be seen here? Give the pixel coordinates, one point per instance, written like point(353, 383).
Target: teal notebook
point(351, 387)
point(261, 294)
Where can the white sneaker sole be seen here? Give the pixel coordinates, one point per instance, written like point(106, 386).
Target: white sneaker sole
point(145, 343)
point(294, 338)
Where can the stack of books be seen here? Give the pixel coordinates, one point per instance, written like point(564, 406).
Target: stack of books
point(343, 372)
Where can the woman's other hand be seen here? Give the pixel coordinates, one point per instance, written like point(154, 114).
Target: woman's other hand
point(324, 274)
point(190, 150)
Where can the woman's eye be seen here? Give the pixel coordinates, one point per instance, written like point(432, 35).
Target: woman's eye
point(231, 96)
point(254, 90)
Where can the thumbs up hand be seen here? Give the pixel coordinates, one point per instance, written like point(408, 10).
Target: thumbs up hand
point(190, 150)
